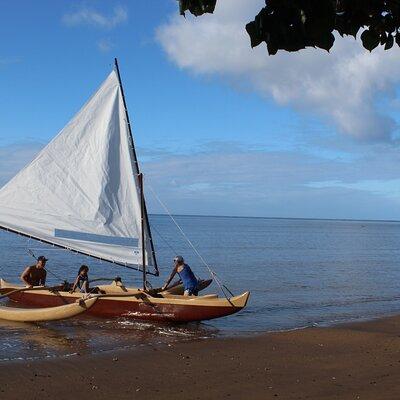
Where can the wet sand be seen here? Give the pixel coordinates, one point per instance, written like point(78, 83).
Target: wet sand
point(353, 361)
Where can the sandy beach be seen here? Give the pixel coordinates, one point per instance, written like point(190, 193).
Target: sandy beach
point(351, 361)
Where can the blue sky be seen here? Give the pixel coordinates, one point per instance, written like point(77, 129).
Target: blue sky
point(220, 128)
point(48, 77)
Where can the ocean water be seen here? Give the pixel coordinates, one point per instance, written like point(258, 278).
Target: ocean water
point(300, 273)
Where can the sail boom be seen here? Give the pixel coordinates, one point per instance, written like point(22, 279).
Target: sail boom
point(129, 266)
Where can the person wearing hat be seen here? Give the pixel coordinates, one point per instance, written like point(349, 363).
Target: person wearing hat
point(35, 275)
point(186, 275)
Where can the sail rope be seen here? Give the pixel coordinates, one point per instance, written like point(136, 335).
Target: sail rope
point(46, 269)
point(31, 253)
point(210, 270)
point(164, 239)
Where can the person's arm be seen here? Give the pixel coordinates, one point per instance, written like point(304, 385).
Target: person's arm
point(74, 285)
point(24, 276)
point(170, 278)
point(43, 280)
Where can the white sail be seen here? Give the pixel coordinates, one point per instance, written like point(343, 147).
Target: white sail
point(81, 191)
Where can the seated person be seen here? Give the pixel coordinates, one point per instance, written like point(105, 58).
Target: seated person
point(187, 276)
point(82, 280)
point(35, 275)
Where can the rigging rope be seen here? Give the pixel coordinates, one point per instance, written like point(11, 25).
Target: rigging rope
point(46, 269)
point(212, 273)
point(165, 240)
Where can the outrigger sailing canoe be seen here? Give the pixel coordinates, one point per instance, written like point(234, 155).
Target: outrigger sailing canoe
point(84, 192)
point(119, 301)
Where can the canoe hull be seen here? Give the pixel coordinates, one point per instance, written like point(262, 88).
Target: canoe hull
point(110, 308)
point(142, 307)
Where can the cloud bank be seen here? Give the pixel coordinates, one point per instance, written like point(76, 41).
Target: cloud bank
point(233, 179)
point(343, 87)
point(228, 178)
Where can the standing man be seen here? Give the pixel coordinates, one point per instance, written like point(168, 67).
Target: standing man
point(186, 274)
point(35, 275)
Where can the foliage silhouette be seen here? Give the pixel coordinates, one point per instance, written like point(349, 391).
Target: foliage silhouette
point(293, 25)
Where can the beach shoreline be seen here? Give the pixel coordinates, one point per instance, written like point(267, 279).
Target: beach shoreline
point(357, 360)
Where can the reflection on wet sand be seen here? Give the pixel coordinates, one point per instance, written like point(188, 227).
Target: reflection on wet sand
point(20, 340)
point(30, 340)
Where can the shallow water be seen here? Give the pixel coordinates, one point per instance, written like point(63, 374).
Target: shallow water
point(300, 273)
point(79, 336)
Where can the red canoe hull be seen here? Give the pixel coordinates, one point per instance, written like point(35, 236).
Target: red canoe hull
point(111, 308)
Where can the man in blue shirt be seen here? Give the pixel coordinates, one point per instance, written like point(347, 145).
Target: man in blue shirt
point(186, 275)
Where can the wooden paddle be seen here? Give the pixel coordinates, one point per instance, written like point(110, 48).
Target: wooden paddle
point(154, 291)
point(116, 279)
point(50, 288)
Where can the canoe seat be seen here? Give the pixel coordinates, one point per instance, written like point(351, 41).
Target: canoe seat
point(177, 296)
point(118, 289)
point(209, 296)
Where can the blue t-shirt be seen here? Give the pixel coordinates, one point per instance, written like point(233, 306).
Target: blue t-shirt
point(188, 279)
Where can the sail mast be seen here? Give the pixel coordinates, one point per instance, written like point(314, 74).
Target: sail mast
point(137, 171)
point(140, 176)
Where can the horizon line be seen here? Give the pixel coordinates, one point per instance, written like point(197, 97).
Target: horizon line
point(264, 217)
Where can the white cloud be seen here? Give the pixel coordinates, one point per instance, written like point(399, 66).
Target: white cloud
point(387, 188)
point(92, 17)
point(104, 45)
point(342, 86)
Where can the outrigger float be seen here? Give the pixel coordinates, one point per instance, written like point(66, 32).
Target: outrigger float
point(84, 193)
point(47, 314)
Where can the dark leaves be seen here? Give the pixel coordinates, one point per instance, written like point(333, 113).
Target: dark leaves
point(197, 7)
point(370, 39)
point(325, 42)
point(293, 25)
point(252, 30)
point(389, 42)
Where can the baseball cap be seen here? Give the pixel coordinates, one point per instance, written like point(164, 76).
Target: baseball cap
point(179, 259)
